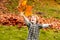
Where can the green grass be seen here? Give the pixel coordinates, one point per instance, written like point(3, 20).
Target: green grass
point(12, 5)
point(13, 33)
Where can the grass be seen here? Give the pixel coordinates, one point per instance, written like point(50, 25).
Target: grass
point(12, 33)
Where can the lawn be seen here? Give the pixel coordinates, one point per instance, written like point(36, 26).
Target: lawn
point(13, 33)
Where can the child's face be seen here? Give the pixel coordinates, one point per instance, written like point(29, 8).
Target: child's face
point(33, 19)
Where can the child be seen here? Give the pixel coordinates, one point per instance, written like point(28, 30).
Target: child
point(33, 27)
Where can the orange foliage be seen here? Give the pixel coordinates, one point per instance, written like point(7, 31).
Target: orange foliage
point(28, 11)
point(13, 19)
point(24, 3)
point(23, 7)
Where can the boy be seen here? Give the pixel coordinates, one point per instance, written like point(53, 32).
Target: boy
point(33, 27)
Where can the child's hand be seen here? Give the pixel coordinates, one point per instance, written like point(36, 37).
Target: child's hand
point(22, 13)
point(50, 25)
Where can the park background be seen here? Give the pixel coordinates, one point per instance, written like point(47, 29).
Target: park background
point(48, 8)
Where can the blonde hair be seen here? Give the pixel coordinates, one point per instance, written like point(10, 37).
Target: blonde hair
point(35, 17)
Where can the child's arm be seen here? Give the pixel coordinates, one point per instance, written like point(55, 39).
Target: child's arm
point(25, 19)
point(44, 25)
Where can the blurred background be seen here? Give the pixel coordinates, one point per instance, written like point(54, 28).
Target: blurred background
point(8, 9)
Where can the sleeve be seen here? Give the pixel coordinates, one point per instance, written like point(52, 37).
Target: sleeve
point(40, 26)
point(27, 21)
point(43, 25)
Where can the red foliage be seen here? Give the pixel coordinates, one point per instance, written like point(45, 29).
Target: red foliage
point(13, 19)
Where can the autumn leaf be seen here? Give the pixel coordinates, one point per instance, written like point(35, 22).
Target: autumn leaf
point(28, 11)
point(24, 3)
point(23, 7)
